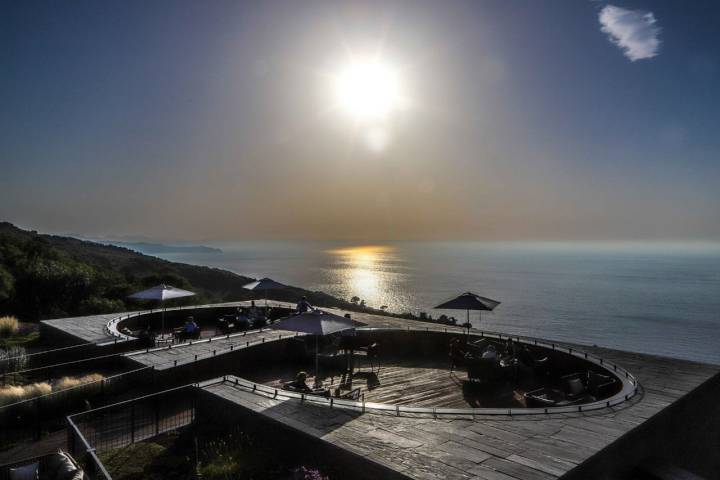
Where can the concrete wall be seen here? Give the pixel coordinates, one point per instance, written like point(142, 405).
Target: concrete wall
point(685, 434)
point(292, 444)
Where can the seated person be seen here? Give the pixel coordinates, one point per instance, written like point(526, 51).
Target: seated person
point(303, 305)
point(299, 384)
point(146, 337)
point(243, 316)
point(190, 326)
point(490, 353)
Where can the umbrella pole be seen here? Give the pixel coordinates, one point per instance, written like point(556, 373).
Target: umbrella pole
point(317, 378)
point(162, 320)
point(467, 325)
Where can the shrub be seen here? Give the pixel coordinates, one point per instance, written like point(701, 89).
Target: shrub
point(17, 393)
point(69, 382)
point(8, 326)
point(130, 462)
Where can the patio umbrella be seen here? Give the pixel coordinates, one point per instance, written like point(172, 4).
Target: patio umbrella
point(161, 293)
point(265, 284)
point(318, 323)
point(469, 301)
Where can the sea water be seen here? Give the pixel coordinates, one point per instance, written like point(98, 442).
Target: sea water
point(654, 298)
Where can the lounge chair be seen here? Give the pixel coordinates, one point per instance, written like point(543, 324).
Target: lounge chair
point(351, 395)
point(545, 397)
point(576, 387)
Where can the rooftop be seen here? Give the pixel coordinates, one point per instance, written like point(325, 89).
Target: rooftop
point(417, 423)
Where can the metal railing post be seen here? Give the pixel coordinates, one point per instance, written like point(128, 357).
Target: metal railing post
point(132, 423)
point(157, 417)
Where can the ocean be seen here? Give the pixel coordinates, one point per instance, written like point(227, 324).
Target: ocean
point(660, 299)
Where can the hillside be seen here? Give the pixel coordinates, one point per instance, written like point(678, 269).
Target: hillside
point(48, 276)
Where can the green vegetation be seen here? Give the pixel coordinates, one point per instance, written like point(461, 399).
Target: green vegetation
point(204, 451)
point(20, 339)
point(138, 461)
point(16, 393)
point(47, 276)
point(8, 326)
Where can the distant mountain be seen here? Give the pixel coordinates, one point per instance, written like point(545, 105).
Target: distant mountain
point(159, 248)
point(49, 276)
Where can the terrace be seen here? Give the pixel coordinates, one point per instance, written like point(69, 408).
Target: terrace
point(416, 415)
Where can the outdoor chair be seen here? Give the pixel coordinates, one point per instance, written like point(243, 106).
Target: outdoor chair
point(351, 395)
point(146, 339)
point(544, 397)
point(540, 365)
point(576, 387)
point(370, 354)
point(259, 322)
point(227, 324)
point(181, 335)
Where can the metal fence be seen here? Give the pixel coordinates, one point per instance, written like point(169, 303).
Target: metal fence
point(18, 359)
point(121, 424)
point(28, 419)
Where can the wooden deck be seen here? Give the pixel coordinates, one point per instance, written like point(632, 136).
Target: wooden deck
point(490, 447)
point(91, 329)
point(164, 358)
point(412, 382)
point(484, 447)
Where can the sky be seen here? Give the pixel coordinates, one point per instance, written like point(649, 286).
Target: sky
point(519, 120)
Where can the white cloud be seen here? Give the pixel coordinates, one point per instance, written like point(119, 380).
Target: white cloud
point(634, 31)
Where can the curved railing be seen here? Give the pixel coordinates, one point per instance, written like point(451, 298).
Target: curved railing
point(111, 327)
point(630, 385)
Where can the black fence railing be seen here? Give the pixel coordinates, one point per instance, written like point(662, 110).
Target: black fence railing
point(118, 425)
point(19, 359)
point(30, 418)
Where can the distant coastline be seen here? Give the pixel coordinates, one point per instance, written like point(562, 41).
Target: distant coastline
point(159, 248)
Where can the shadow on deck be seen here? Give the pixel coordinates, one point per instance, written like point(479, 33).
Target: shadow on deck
point(402, 381)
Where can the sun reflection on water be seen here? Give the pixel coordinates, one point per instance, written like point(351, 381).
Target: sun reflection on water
point(362, 270)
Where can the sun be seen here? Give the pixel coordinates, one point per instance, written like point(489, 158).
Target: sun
point(368, 91)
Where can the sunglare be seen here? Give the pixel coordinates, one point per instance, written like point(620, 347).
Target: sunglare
point(369, 90)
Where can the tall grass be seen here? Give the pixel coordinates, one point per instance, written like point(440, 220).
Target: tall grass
point(8, 326)
point(17, 393)
point(69, 382)
point(12, 359)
